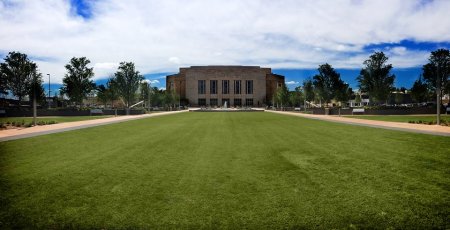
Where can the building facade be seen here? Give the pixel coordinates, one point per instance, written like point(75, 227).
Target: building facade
point(216, 85)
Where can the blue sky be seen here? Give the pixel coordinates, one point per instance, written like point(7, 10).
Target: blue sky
point(291, 37)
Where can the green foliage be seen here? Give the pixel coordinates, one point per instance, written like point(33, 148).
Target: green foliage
point(36, 88)
point(419, 91)
point(375, 78)
point(438, 71)
point(326, 82)
point(102, 94)
point(77, 83)
point(127, 81)
point(308, 89)
point(296, 97)
point(17, 72)
point(282, 95)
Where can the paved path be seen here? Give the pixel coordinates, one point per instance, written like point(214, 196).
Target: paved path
point(13, 134)
point(402, 126)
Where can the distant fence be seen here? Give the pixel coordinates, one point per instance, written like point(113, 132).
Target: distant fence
point(68, 112)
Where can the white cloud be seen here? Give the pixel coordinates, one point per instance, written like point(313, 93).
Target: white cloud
point(152, 82)
point(161, 36)
point(292, 82)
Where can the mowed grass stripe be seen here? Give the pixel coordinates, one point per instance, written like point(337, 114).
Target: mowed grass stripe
point(226, 170)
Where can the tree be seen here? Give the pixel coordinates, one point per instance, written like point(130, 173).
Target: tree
point(145, 90)
point(308, 89)
point(343, 93)
point(419, 91)
point(112, 92)
point(282, 95)
point(296, 97)
point(437, 73)
point(375, 77)
point(35, 90)
point(102, 94)
point(329, 85)
point(127, 80)
point(323, 82)
point(17, 70)
point(77, 83)
point(3, 83)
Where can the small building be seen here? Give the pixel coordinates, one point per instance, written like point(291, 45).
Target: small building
point(251, 86)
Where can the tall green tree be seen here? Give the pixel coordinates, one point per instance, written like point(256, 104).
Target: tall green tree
point(35, 90)
point(77, 83)
point(436, 73)
point(419, 91)
point(127, 80)
point(328, 84)
point(3, 83)
point(102, 94)
point(296, 97)
point(343, 92)
point(112, 92)
point(17, 71)
point(145, 91)
point(308, 89)
point(375, 77)
point(282, 95)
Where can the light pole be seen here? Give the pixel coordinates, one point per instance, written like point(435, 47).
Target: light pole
point(48, 90)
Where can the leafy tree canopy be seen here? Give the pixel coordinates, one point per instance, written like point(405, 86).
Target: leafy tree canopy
point(77, 83)
point(375, 77)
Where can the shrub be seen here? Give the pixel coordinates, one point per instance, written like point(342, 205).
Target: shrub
point(51, 122)
point(30, 124)
point(41, 123)
point(2, 125)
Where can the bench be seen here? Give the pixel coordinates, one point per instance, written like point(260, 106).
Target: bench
point(297, 109)
point(358, 110)
point(2, 113)
point(448, 110)
point(96, 112)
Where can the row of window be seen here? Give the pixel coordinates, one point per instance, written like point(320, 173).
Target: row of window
point(215, 102)
point(213, 86)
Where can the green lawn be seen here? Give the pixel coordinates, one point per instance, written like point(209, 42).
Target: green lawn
point(400, 118)
point(57, 119)
point(226, 170)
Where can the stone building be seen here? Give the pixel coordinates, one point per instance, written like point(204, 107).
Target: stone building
point(214, 85)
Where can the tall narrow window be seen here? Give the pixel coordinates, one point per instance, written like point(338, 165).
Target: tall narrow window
point(201, 86)
point(225, 86)
point(249, 86)
point(237, 87)
point(213, 86)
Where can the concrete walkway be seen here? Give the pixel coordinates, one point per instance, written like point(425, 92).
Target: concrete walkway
point(14, 134)
point(402, 126)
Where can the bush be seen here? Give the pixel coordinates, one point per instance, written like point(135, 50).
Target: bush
point(41, 123)
point(2, 125)
point(30, 124)
point(51, 122)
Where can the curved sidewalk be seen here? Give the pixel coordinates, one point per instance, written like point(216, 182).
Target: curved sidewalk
point(14, 134)
point(415, 128)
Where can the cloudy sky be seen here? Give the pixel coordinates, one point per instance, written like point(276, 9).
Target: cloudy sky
point(292, 37)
